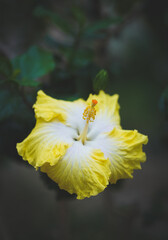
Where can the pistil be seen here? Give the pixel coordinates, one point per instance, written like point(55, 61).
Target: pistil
point(88, 115)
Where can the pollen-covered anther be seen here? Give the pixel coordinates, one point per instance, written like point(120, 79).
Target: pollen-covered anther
point(94, 102)
point(90, 112)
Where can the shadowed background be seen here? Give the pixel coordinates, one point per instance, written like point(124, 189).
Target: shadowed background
point(61, 47)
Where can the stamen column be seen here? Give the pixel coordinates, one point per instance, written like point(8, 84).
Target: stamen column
point(89, 116)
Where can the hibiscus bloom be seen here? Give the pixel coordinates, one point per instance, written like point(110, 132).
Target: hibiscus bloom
point(80, 145)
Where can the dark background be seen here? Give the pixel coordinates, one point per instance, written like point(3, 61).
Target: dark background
point(60, 47)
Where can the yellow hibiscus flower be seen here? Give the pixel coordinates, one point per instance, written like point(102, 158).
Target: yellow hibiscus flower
point(80, 145)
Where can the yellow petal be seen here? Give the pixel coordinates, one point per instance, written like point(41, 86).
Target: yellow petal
point(82, 171)
point(46, 143)
point(49, 108)
point(124, 149)
point(107, 107)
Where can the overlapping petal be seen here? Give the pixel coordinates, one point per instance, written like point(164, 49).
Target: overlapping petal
point(82, 170)
point(48, 142)
point(124, 150)
point(49, 108)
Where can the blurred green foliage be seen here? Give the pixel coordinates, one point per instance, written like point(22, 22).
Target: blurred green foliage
point(55, 18)
point(33, 64)
point(24, 70)
point(9, 104)
point(5, 66)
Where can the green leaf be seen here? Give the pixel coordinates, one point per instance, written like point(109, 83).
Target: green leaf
point(55, 18)
point(101, 80)
point(33, 64)
point(100, 25)
point(5, 65)
point(82, 58)
point(26, 82)
point(78, 15)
